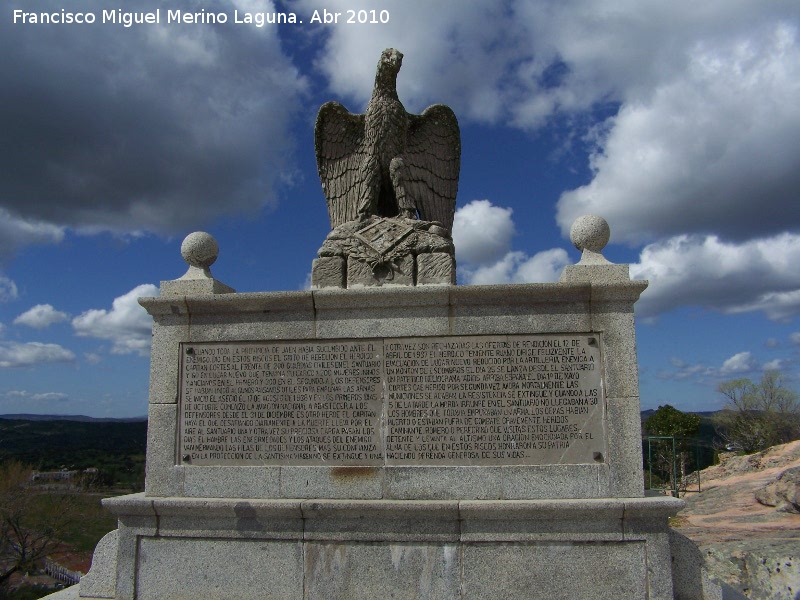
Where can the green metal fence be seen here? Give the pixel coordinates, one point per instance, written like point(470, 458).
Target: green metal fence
point(673, 464)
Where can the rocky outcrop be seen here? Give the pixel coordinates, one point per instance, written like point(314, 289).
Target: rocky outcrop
point(782, 493)
point(746, 524)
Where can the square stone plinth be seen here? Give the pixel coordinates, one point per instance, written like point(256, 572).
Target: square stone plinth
point(436, 268)
point(360, 274)
point(327, 272)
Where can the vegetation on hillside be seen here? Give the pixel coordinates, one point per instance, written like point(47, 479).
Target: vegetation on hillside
point(758, 415)
point(115, 449)
point(671, 449)
point(60, 512)
point(32, 522)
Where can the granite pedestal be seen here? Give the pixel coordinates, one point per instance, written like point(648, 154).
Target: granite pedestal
point(262, 482)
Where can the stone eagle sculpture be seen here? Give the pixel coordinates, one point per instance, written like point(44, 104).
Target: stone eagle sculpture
point(387, 162)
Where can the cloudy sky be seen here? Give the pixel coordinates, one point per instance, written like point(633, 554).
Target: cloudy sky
point(679, 122)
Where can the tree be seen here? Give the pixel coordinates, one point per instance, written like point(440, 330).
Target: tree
point(758, 415)
point(31, 521)
point(668, 420)
point(670, 458)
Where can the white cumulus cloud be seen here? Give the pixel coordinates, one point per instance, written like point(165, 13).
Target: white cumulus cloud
point(711, 148)
point(758, 275)
point(518, 267)
point(743, 362)
point(482, 232)
point(41, 316)
point(29, 354)
point(127, 325)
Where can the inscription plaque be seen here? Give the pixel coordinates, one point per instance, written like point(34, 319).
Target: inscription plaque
point(459, 400)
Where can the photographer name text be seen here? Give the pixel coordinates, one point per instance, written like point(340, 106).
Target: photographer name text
point(202, 17)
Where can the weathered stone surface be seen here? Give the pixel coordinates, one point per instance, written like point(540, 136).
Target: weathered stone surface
point(380, 172)
point(355, 570)
point(459, 400)
point(438, 268)
point(358, 155)
point(361, 274)
point(100, 581)
point(202, 569)
point(383, 313)
point(223, 548)
point(200, 251)
point(783, 492)
point(328, 271)
point(745, 544)
point(556, 570)
point(162, 477)
point(70, 593)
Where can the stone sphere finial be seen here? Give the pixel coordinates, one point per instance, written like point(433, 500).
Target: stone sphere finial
point(200, 249)
point(590, 232)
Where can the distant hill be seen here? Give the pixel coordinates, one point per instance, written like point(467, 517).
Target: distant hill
point(80, 418)
point(116, 447)
point(646, 414)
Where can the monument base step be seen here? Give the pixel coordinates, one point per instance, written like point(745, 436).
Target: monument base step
point(204, 548)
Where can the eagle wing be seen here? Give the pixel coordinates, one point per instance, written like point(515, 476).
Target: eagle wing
point(433, 160)
point(338, 137)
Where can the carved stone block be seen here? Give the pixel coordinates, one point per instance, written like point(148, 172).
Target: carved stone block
point(328, 271)
point(436, 268)
point(360, 274)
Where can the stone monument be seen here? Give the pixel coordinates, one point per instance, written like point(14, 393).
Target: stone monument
point(388, 434)
point(380, 171)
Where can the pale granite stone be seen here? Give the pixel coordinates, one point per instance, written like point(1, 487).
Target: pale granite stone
point(382, 520)
point(436, 531)
point(382, 570)
point(200, 251)
point(168, 332)
point(625, 448)
point(530, 308)
point(555, 481)
point(436, 268)
point(70, 593)
point(332, 482)
point(193, 287)
point(361, 274)
point(590, 232)
point(232, 482)
point(437, 483)
point(328, 271)
point(254, 316)
point(601, 273)
point(537, 520)
point(201, 569)
point(555, 570)
point(100, 581)
point(382, 312)
point(162, 477)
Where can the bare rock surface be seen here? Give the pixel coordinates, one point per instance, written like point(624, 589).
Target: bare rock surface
point(751, 544)
point(783, 493)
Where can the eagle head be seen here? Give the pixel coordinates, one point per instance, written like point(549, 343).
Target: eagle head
point(391, 60)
